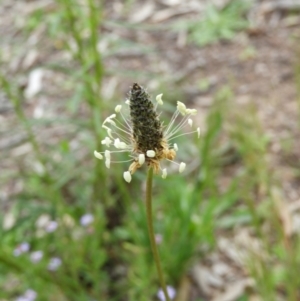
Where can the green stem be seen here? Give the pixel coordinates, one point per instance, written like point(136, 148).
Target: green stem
point(91, 60)
point(151, 232)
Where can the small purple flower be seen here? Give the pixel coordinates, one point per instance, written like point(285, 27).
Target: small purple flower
point(51, 226)
point(158, 238)
point(170, 290)
point(54, 264)
point(17, 252)
point(21, 248)
point(86, 219)
point(29, 295)
point(21, 298)
point(36, 256)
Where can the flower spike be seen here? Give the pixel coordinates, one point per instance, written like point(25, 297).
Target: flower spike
point(143, 136)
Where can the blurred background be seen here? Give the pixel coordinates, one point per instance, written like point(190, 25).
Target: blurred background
point(228, 228)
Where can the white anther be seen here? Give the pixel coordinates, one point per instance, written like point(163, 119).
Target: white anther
point(141, 159)
point(123, 145)
point(164, 173)
point(198, 132)
point(108, 119)
point(107, 154)
point(118, 108)
point(107, 163)
point(117, 143)
point(175, 147)
point(127, 176)
point(159, 100)
point(181, 108)
point(107, 141)
point(111, 121)
point(191, 111)
point(109, 131)
point(182, 167)
point(127, 102)
point(190, 122)
point(150, 153)
point(98, 155)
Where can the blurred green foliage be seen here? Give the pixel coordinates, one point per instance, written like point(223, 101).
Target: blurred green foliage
point(215, 24)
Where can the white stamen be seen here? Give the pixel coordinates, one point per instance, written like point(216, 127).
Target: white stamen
point(128, 125)
point(150, 153)
point(190, 122)
point(164, 173)
point(107, 162)
point(98, 155)
point(123, 145)
point(141, 159)
point(169, 139)
point(175, 115)
point(127, 176)
point(107, 154)
point(108, 119)
point(107, 141)
point(182, 167)
point(191, 111)
point(127, 102)
point(111, 122)
point(181, 108)
point(159, 100)
point(198, 132)
point(118, 108)
point(173, 131)
point(109, 131)
point(175, 147)
point(117, 143)
point(122, 130)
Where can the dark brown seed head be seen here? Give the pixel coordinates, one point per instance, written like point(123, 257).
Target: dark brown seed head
point(147, 129)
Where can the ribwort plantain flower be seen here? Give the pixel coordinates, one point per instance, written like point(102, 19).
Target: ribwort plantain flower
point(143, 135)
